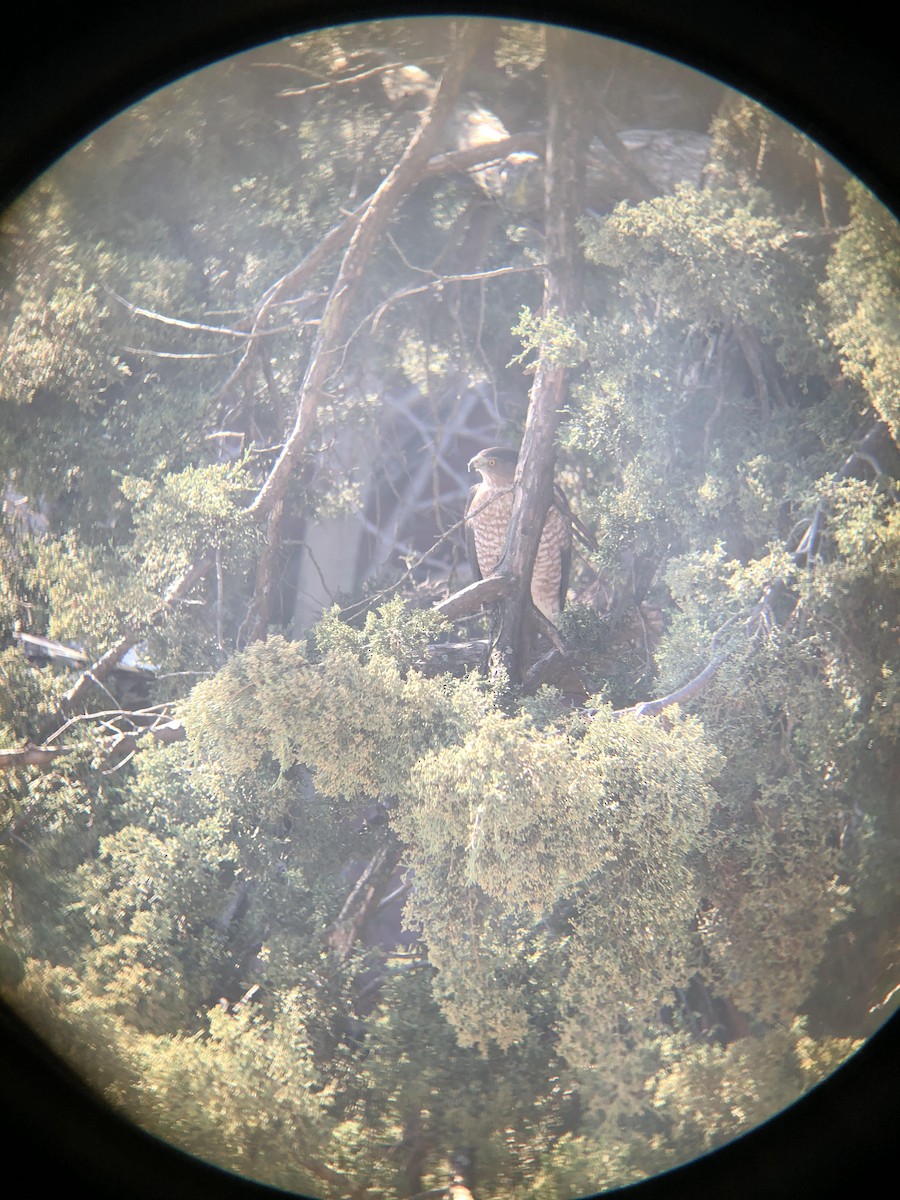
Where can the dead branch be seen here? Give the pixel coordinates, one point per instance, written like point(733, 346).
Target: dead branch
point(162, 727)
point(641, 185)
point(474, 597)
point(196, 326)
point(331, 243)
point(346, 230)
point(31, 755)
point(540, 671)
point(373, 218)
point(457, 658)
point(484, 155)
point(439, 282)
point(342, 81)
point(141, 718)
point(424, 83)
point(652, 708)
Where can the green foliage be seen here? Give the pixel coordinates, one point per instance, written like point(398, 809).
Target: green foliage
point(19, 597)
point(359, 725)
point(91, 589)
point(391, 631)
point(551, 334)
point(862, 287)
point(45, 354)
point(708, 253)
point(705, 1089)
point(168, 917)
point(189, 512)
point(609, 821)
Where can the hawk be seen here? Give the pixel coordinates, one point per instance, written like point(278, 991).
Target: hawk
point(487, 516)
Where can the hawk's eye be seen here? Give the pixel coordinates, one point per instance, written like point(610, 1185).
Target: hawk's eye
point(492, 462)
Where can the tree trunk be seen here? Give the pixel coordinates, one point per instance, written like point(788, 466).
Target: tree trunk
point(563, 187)
point(328, 348)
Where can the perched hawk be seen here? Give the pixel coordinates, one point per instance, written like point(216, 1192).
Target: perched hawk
point(487, 515)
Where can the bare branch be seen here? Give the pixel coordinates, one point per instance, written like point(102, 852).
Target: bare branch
point(652, 708)
point(180, 355)
point(441, 281)
point(31, 755)
point(368, 229)
point(136, 311)
point(484, 155)
point(343, 80)
point(474, 597)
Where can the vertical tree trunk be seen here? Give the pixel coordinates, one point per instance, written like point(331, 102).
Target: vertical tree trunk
point(563, 189)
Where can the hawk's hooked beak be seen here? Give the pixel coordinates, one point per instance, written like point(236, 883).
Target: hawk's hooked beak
point(473, 464)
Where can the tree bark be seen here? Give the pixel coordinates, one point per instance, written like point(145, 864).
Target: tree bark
point(326, 352)
point(563, 188)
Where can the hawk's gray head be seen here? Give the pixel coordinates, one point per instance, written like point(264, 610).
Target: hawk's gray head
point(496, 465)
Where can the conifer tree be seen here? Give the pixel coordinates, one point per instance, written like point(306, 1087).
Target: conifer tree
point(330, 904)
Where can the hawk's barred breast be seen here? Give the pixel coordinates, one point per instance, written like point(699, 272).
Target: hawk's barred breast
point(489, 511)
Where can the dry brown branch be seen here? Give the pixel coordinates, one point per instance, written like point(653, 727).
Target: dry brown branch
point(31, 755)
point(484, 155)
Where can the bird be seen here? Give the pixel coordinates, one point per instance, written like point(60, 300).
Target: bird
point(488, 510)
